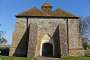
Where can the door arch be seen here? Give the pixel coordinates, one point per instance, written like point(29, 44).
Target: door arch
point(47, 50)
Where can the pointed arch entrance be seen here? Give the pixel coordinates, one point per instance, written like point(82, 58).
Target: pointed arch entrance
point(47, 50)
point(46, 46)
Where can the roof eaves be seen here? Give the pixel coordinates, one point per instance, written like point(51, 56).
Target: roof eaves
point(46, 17)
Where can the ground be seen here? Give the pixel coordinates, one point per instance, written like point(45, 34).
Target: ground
point(43, 58)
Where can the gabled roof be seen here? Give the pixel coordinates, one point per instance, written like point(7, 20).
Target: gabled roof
point(59, 12)
point(36, 12)
point(32, 12)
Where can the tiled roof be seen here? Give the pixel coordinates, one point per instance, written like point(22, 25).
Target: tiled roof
point(59, 12)
point(32, 12)
point(36, 12)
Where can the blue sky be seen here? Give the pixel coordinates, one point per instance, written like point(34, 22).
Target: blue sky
point(9, 8)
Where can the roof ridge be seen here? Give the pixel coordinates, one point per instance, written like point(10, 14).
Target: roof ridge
point(34, 11)
point(63, 11)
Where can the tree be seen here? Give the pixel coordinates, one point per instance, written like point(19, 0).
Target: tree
point(2, 38)
point(84, 43)
point(85, 31)
point(85, 27)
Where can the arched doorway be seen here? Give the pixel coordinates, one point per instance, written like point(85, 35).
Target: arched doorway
point(47, 50)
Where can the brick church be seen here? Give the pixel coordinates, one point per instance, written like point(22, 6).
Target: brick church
point(44, 32)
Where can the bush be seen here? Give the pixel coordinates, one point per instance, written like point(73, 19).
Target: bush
point(87, 53)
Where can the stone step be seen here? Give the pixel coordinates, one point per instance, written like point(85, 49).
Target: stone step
point(46, 58)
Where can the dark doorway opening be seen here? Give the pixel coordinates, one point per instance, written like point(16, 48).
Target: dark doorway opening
point(47, 50)
point(4, 51)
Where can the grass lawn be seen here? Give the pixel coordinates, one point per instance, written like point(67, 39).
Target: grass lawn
point(14, 58)
point(22, 58)
point(75, 58)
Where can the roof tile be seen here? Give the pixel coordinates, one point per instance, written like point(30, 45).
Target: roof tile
point(36, 12)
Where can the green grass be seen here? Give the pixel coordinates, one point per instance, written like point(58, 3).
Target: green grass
point(75, 58)
point(23, 58)
point(15, 58)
